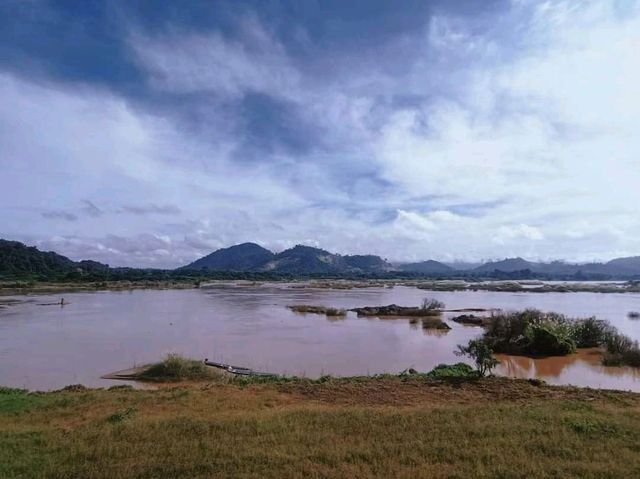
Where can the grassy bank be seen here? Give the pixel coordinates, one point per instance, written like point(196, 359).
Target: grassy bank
point(402, 426)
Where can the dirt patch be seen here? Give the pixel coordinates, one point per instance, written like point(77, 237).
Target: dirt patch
point(413, 391)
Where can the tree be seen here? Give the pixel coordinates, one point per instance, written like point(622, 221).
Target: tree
point(481, 354)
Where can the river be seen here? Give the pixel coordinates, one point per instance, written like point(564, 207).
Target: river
point(44, 346)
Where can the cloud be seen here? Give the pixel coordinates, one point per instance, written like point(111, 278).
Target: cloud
point(150, 209)
point(91, 209)
point(508, 132)
point(521, 231)
point(254, 62)
point(58, 214)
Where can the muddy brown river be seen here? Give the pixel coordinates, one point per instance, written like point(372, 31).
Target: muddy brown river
point(48, 346)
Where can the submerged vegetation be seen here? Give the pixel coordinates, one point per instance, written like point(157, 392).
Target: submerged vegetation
point(535, 333)
point(305, 308)
point(621, 350)
point(471, 320)
point(532, 332)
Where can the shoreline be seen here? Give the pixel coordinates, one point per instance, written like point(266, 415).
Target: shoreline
point(9, 288)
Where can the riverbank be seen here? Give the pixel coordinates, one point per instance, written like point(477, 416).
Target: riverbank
point(525, 286)
point(10, 288)
point(391, 426)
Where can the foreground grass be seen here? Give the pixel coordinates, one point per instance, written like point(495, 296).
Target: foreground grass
point(407, 426)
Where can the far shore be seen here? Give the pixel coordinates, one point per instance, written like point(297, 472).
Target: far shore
point(19, 287)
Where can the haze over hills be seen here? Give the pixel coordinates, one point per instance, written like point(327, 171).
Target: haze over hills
point(18, 260)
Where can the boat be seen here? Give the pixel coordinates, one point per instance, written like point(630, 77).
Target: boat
point(238, 370)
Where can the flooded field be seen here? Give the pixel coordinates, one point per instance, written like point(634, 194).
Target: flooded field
point(47, 346)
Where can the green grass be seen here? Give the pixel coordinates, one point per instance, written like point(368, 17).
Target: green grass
point(409, 426)
point(17, 400)
point(177, 368)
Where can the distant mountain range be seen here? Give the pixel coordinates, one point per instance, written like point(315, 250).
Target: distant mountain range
point(305, 260)
point(299, 260)
point(18, 260)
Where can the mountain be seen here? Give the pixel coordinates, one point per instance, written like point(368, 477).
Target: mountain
point(368, 264)
point(306, 260)
point(462, 265)
point(300, 260)
point(241, 257)
point(427, 267)
point(20, 260)
point(508, 265)
point(629, 265)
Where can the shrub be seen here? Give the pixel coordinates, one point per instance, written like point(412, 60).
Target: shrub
point(481, 353)
point(458, 370)
point(633, 315)
point(547, 339)
point(621, 350)
point(435, 323)
point(177, 368)
point(534, 332)
point(431, 304)
point(591, 332)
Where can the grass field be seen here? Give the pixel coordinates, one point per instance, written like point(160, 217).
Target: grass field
point(359, 427)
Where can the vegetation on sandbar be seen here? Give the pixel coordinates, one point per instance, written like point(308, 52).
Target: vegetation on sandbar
point(429, 307)
point(535, 333)
point(177, 368)
point(471, 320)
point(327, 311)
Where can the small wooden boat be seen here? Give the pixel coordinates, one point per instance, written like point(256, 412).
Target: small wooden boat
point(238, 370)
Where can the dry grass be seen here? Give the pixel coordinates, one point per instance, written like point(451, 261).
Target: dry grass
point(358, 427)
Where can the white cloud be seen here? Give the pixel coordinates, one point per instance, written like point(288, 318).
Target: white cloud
point(537, 122)
point(189, 62)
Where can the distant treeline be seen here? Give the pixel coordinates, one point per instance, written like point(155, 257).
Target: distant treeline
point(181, 275)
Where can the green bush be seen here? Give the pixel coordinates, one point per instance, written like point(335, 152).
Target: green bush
point(621, 350)
point(591, 332)
point(177, 368)
point(549, 339)
point(458, 370)
point(533, 332)
point(481, 353)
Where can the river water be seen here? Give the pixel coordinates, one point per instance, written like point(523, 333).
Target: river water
point(48, 346)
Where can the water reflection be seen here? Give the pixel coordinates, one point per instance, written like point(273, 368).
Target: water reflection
point(582, 368)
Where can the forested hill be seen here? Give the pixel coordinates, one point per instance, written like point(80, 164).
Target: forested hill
point(18, 260)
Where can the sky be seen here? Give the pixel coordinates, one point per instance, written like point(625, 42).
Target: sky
point(150, 133)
